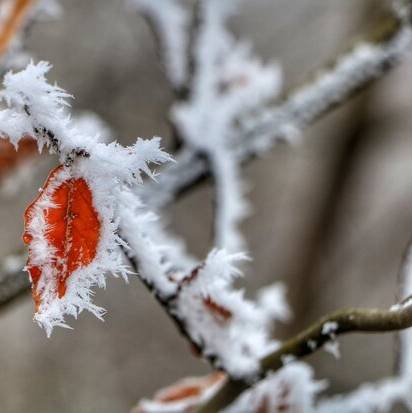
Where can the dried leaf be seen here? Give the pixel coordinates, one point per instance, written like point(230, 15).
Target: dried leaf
point(184, 395)
point(64, 237)
point(13, 22)
point(221, 313)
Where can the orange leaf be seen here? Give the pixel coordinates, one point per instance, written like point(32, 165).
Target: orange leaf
point(13, 22)
point(71, 231)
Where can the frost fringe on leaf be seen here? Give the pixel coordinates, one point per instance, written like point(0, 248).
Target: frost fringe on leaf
point(37, 109)
point(62, 246)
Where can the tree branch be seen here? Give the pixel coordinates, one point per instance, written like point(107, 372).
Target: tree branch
point(351, 73)
point(302, 106)
point(313, 338)
point(166, 303)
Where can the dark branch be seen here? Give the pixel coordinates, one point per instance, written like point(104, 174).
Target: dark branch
point(313, 338)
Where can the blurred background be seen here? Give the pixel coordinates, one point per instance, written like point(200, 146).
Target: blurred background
point(331, 216)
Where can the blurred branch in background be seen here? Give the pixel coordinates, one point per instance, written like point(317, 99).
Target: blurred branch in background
point(351, 73)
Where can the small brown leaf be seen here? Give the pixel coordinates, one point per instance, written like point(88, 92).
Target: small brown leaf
point(220, 312)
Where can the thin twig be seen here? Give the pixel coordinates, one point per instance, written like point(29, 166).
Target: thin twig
point(312, 339)
point(301, 107)
point(166, 303)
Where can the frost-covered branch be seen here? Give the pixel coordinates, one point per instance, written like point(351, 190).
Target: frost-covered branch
point(38, 109)
point(293, 389)
point(327, 330)
point(225, 82)
point(71, 227)
point(28, 115)
point(223, 123)
point(352, 72)
point(190, 168)
point(286, 384)
point(87, 209)
point(221, 324)
point(169, 21)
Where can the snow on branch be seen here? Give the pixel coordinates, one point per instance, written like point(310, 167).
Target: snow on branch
point(71, 228)
point(67, 260)
point(170, 22)
point(291, 390)
point(227, 83)
point(230, 330)
point(351, 72)
point(189, 168)
point(369, 398)
point(36, 108)
point(201, 299)
point(160, 260)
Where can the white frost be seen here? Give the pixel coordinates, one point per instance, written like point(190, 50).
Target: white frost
point(220, 320)
point(38, 109)
point(171, 22)
point(228, 82)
